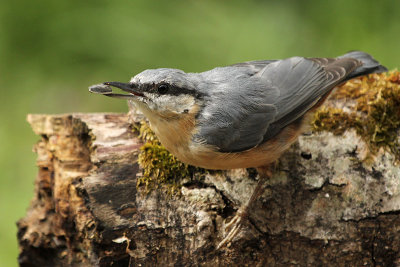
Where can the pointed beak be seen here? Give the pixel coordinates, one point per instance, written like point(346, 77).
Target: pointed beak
point(106, 90)
point(125, 87)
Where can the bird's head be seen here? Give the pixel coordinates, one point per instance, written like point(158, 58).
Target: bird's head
point(167, 93)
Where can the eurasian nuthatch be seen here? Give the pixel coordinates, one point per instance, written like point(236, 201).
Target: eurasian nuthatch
point(240, 116)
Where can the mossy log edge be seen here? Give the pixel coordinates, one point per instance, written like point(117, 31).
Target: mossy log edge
point(323, 206)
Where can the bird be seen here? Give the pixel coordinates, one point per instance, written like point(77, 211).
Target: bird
point(243, 115)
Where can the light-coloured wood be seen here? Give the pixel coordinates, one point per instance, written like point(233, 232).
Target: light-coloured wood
point(322, 206)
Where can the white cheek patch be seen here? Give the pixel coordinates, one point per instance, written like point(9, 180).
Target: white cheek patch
point(170, 103)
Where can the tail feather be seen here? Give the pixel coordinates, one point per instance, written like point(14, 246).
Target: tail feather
point(369, 64)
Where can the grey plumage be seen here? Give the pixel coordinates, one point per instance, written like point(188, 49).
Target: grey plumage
point(260, 98)
point(246, 104)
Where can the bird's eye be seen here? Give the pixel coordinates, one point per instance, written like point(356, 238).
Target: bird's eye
point(163, 89)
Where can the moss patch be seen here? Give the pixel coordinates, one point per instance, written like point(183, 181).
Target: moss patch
point(159, 166)
point(375, 114)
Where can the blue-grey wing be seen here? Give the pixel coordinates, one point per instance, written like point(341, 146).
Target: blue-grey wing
point(256, 103)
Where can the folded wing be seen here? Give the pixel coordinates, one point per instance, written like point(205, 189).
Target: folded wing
point(251, 109)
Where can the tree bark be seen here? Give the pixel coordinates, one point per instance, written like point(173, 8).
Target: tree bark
point(322, 207)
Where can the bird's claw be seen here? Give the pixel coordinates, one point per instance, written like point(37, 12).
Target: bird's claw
point(234, 225)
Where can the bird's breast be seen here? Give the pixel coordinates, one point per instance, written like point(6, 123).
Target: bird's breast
point(177, 139)
point(176, 135)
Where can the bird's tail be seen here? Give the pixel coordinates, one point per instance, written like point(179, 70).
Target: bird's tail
point(369, 64)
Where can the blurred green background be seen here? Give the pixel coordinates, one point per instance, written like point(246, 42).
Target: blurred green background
point(51, 51)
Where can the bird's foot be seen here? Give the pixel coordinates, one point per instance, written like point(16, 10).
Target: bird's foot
point(234, 225)
point(237, 222)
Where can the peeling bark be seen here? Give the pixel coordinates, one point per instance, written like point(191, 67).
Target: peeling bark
point(323, 206)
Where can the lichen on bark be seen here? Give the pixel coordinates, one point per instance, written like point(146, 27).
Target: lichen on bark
point(371, 107)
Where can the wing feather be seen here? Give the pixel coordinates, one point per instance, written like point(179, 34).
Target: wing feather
point(260, 98)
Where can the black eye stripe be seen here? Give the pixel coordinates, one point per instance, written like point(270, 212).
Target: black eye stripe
point(163, 88)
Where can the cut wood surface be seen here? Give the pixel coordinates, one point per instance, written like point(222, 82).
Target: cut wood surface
point(322, 207)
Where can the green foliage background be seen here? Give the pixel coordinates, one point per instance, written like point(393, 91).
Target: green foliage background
point(51, 51)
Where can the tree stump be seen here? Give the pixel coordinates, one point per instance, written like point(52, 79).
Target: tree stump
point(323, 206)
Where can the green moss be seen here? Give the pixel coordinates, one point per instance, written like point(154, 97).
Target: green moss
point(333, 120)
point(159, 166)
point(376, 113)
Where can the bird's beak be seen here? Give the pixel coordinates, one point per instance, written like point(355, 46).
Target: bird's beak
point(125, 87)
point(106, 90)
